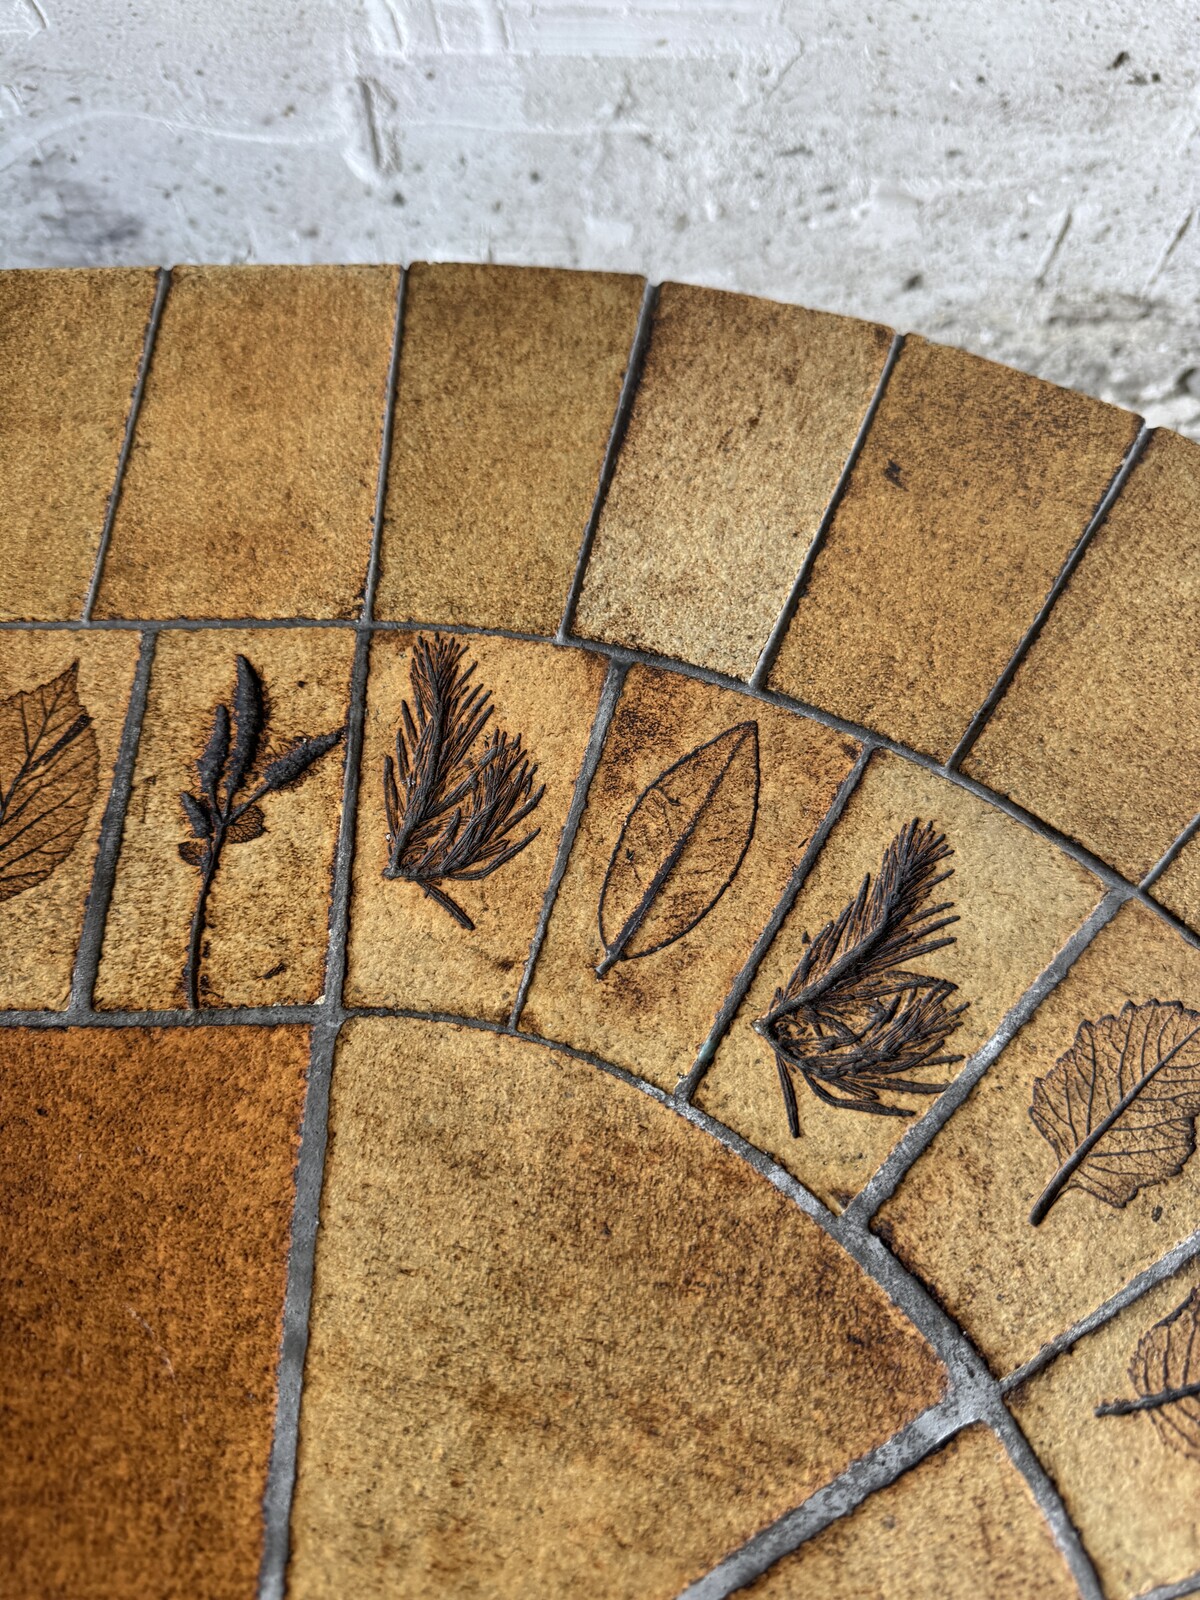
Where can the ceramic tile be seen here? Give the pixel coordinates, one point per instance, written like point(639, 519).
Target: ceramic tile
point(70, 348)
point(555, 1335)
point(509, 382)
point(744, 417)
point(146, 1186)
point(265, 925)
point(973, 486)
point(1018, 901)
point(756, 774)
point(250, 489)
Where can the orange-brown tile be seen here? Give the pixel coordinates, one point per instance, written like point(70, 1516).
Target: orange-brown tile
point(651, 1010)
point(250, 489)
point(563, 1343)
point(146, 1182)
point(70, 347)
point(744, 417)
point(509, 382)
point(266, 921)
point(973, 486)
point(1018, 900)
point(63, 699)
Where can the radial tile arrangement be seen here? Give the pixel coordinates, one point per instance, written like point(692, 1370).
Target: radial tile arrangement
point(599, 951)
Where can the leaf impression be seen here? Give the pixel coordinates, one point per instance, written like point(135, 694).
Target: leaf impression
point(49, 766)
point(1119, 1108)
point(1165, 1373)
point(680, 847)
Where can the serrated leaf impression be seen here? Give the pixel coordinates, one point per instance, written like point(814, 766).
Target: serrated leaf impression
point(680, 847)
point(1119, 1108)
point(49, 765)
point(1165, 1373)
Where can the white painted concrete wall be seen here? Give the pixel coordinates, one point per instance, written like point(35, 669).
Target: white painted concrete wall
point(1016, 176)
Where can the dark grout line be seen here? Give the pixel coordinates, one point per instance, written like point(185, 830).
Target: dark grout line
point(1171, 854)
point(202, 1017)
point(616, 437)
point(371, 582)
point(1000, 688)
point(135, 405)
point(1050, 1503)
point(1174, 1591)
point(783, 622)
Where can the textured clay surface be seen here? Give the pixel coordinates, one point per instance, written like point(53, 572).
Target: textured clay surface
point(508, 387)
point(250, 489)
point(961, 1217)
point(959, 1525)
point(563, 1342)
point(1094, 734)
point(146, 1184)
point(268, 913)
point(40, 925)
point(742, 423)
point(1018, 900)
point(1134, 1497)
point(973, 486)
point(404, 949)
point(652, 1013)
point(70, 346)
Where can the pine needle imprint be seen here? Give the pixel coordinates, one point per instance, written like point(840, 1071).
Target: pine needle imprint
point(453, 807)
point(227, 809)
point(851, 1019)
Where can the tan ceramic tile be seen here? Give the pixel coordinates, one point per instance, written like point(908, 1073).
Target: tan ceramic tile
point(960, 1525)
point(651, 1011)
point(1132, 1490)
point(1094, 734)
point(405, 949)
point(250, 489)
point(744, 417)
point(70, 345)
point(555, 1335)
point(146, 1183)
point(63, 699)
point(1018, 900)
point(266, 925)
point(509, 382)
point(973, 486)
point(961, 1217)
point(1179, 887)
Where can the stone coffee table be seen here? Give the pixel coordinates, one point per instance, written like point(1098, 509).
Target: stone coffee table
point(598, 951)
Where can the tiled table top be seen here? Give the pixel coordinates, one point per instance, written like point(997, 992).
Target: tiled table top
point(599, 950)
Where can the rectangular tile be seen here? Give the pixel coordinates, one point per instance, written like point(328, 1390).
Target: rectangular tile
point(1098, 734)
point(744, 417)
point(146, 1182)
point(509, 382)
point(683, 762)
point(250, 489)
point(63, 699)
point(406, 948)
point(265, 919)
point(974, 485)
point(70, 347)
point(1018, 901)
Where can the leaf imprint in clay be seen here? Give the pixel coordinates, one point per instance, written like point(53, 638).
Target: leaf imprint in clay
point(1165, 1373)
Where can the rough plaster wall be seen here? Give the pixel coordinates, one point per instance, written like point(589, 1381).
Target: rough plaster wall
point(1018, 177)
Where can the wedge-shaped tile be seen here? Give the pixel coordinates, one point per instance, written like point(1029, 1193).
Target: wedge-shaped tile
point(410, 943)
point(223, 881)
point(1131, 1480)
point(961, 1523)
point(250, 489)
point(509, 382)
point(146, 1183)
point(1017, 900)
point(744, 417)
point(562, 1341)
point(70, 346)
point(63, 700)
point(698, 814)
point(973, 486)
point(1068, 1169)
point(1094, 734)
